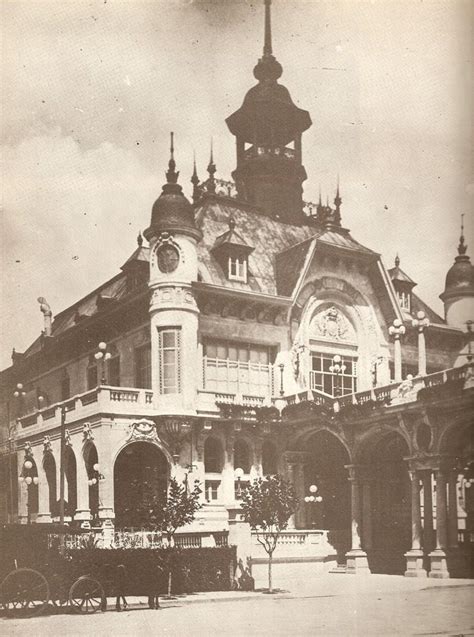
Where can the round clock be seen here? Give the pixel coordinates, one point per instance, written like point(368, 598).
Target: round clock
point(168, 258)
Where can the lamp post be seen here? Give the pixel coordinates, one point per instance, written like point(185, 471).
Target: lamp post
point(238, 474)
point(397, 330)
point(337, 368)
point(29, 477)
point(282, 367)
point(102, 355)
point(94, 477)
point(18, 394)
point(421, 322)
point(312, 499)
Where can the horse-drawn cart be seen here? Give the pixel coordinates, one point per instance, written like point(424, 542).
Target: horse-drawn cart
point(33, 577)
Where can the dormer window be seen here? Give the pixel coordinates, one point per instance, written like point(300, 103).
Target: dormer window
point(232, 250)
point(237, 268)
point(404, 300)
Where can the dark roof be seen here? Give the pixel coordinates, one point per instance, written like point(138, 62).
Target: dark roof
point(417, 304)
point(397, 274)
point(288, 266)
point(141, 254)
point(232, 238)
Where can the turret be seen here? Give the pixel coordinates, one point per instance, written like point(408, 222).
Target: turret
point(173, 236)
point(459, 289)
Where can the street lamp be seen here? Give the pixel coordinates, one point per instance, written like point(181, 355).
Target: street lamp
point(238, 474)
point(29, 477)
point(337, 368)
point(282, 367)
point(102, 355)
point(312, 499)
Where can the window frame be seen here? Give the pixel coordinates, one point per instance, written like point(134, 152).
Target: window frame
point(164, 387)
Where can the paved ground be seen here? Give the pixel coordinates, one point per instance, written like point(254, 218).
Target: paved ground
point(311, 604)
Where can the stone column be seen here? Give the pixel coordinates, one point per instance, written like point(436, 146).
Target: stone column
point(453, 510)
point(439, 567)
point(22, 501)
point(103, 444)
point(296, 461)
point(356, 558)
point(44, 514)
point(428, 529)
point(397, 330)
point(414, 556)
point(228, 492)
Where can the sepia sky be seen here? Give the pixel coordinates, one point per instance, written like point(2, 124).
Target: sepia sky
point(91, 90)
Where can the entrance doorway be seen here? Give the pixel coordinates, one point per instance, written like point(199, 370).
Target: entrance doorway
point(140, 472)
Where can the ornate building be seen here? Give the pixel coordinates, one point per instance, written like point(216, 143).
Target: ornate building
point(252, 334)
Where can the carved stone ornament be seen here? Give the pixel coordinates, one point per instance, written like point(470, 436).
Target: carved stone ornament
point(67, 438)
point(332, 325)
point(87, 432)
point(143, 430)
point(47, 444)
point(28, 449)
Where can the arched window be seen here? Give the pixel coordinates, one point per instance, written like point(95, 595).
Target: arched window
point(269, 459)
point(212, 456)
point(241, 456)
point(70, 473)
point(49, 465)
point(92, 376)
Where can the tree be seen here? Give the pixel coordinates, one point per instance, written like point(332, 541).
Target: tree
point(166, 511)
point(267, 505)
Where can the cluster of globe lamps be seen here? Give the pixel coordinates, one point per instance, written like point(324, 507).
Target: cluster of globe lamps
point(313, 489)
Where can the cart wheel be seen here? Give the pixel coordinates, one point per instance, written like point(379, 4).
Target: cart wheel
point(24, 592)
point(86, 595)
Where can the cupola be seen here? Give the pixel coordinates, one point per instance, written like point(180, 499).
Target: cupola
point(403, 285)
point(268, 129)
point(459, 287)
point(172, 212)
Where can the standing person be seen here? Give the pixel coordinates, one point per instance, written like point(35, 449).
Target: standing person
point(155, 584)
point(120, 584)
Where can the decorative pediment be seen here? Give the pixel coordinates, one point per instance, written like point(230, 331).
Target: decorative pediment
point(332, 324)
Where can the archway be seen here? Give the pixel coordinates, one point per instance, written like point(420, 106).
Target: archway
point(390, 505)
point(49, 466)
point(327, 471)
point(140, 472)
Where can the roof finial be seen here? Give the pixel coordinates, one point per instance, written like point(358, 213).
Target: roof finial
point(320, 202)
point(140, 239)
point(211, 169)
point(171, 174)
point(397, 261)
point(337, 199)
point(195, 181)
point(462, 247)
point(267, 47)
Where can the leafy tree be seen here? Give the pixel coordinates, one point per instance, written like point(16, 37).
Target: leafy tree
point(166, 511)
point(267, 505)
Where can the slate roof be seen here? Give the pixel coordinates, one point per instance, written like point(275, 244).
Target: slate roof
point(397, 274)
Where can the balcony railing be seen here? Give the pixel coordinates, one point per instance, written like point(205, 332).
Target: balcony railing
point(105, 399)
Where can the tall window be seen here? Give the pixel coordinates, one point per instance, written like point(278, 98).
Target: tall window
point(169, 344)
point(238, 268)
point(237, 368)
point(323, 378)
point(92, 376)
point(404, 300)
point(114, 368)
point(143, 366)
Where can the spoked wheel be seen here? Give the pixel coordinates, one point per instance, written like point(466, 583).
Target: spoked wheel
point(24, 592)
point(86, 595)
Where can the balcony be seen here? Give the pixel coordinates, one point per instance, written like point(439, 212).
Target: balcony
point(102, 399)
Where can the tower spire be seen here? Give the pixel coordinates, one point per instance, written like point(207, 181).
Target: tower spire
point(171, 174)
point(462, 247)
point(211, 169)
point(195, 181)
point(267, 47)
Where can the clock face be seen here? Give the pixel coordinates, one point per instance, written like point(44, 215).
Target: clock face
point(168, 258)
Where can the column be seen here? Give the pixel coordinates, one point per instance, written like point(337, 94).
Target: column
point(44, 514)
point(397, 354)
point(439, 567)
point(421, 352)
point(106, 463)
point(295, 461)
point(414, 556)
point(356, 558)
point(83, 513)
point(22, 501)
point(228, 493)
point(428, 528)
point(453, 510)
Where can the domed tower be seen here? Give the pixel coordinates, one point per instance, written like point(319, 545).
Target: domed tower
point(268, 129)
point(459, 289)
point(173, 236)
